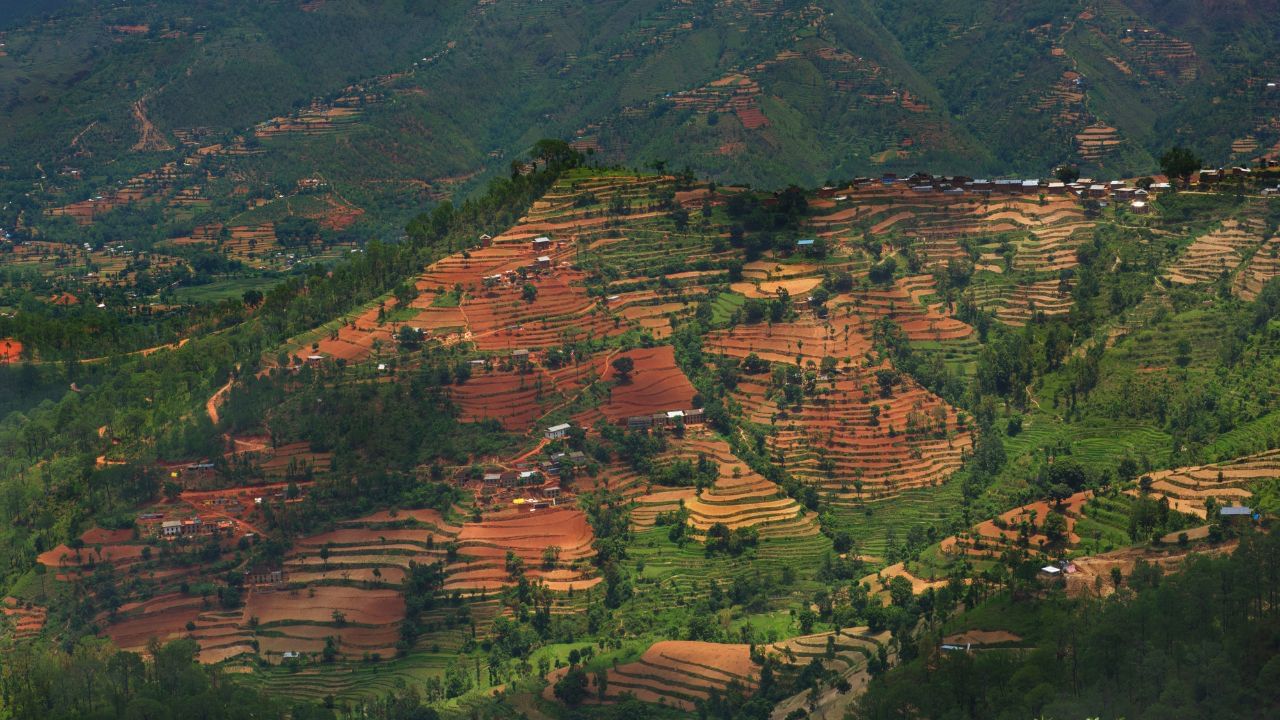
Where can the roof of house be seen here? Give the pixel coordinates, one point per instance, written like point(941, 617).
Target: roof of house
point(806, 241)
point(1051, 569)
point(559, 428)
point(1236, 510)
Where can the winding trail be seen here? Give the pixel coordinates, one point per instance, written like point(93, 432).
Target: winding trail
point(215, 400)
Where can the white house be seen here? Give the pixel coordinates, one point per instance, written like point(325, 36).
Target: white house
point(557, 432)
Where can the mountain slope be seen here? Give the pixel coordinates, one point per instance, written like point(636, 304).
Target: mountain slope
point(762, 92)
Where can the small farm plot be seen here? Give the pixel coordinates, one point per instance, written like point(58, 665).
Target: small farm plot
point(738, 498)
point(1215, 254)
point(552, 543)
point(654, 385)
point(1190, 489)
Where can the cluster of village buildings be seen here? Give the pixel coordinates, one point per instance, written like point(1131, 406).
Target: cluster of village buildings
point(1082, 188)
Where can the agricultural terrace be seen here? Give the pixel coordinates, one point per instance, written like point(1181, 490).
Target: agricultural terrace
point(1218, 253)
point(853, 438)
point(847, 329)
point(860, 430)
point(1037, 235)
point(149, 186)
point(1196, 489)
point(518, 395)
point(511, 293)
point(1022, 527)
point(25, 619)
point(654, 385)
point(113, 265)
point(681, 674)
point(738, 498)
point(553, 543)
point(1261, 268)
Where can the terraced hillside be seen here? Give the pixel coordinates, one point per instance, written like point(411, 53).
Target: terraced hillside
point(1216, 254)
point(680, 674)
point(1193, 489)
point(739, 497)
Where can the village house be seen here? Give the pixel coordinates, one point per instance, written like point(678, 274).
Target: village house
point(1139, 207)
point(259, 575)
point(171, 529)
point(665, 419)
point(1237, 512)
point(541, 244)
point(558, 432)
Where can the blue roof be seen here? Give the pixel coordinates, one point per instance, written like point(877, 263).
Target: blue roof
point(806, 241)
point(1236, 510)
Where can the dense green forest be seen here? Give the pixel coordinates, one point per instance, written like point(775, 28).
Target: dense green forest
point(1198, 643)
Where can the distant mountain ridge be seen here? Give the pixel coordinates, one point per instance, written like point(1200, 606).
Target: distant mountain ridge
point(756, 91)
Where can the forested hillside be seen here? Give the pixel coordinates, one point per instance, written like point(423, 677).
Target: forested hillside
point(378, 96)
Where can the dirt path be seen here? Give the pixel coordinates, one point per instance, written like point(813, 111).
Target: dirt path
point(149, 138)
point(143, 352)
point(536, 449)
point(76, 140)
point(604, 367)
point(215, 400)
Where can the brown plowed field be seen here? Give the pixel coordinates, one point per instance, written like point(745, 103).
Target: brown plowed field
point(655, 385)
